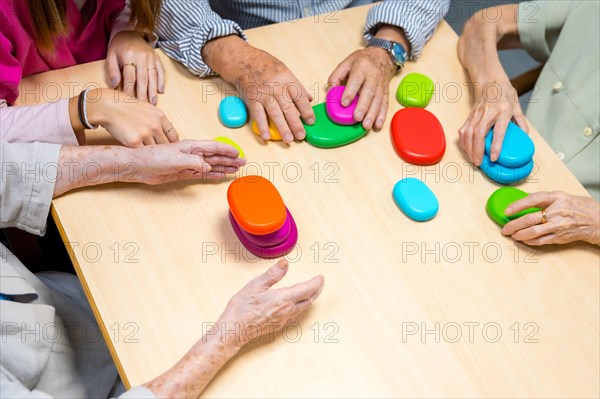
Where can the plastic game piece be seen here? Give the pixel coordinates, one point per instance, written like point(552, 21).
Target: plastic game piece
point(501, 199)
point(275, 238)
point(227, 140)
point(267, 252)
point(418, 136)
point(336, 111)
point(256, 205)
point(275, 135)
point(502, 174)
point(416, 199)
point(415, 90)
point(327, 134)
point(517, 147)
point(233, 112)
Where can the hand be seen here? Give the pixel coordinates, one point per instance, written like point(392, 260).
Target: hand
point(143, 72)
point(368, 72)
point(569, 218)
point(495, 105)
point(185, 160)
point(265, 83)
point(132, 122)
point(257, 309)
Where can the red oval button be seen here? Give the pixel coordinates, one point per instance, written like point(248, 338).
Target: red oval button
point(418, 136)
point(256, 205)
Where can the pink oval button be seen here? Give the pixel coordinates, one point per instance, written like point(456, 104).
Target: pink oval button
point(336, 111)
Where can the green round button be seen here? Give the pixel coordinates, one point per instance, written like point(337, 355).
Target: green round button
point(227, 140)
point(327, 134)
point(415, 91)
point(501, 199)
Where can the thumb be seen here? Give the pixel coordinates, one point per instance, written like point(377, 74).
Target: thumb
point(273, 275)
point(113, 71)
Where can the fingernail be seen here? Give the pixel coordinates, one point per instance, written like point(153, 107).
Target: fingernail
point(368, 122)
point(345, 102)
point(265, 136)
point(113, 83)
point(288, 138)
point(359, 115)
point(380, 122)
point(300, 135)
point(311, 121)
point(161, 89)
point(154, 100)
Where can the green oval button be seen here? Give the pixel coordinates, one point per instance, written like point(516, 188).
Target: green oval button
point(415, 91)
point(227, 140)
point(327, 134)
point(501, 199)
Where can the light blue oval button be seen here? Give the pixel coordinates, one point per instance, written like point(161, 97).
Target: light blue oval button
point(503, 175)
point(232, 112)
point(517, 147)
point(415, 199)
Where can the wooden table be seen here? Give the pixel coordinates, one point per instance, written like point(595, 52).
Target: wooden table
point(446, 308)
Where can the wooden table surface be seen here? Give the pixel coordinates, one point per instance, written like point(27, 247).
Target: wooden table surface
point(446, 308)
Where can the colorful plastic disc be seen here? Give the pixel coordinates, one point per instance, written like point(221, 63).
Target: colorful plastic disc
point(501, 199)
point(416, 199)
point(327, 134)
point(418, 136)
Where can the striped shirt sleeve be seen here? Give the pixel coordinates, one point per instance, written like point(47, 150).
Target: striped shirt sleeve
point(185, 26)
point(418, 18)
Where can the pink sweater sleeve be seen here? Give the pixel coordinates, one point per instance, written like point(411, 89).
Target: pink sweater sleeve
point(48, 123)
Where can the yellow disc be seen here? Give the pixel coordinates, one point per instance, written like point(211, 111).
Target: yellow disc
point(275, 136)
point(227, 140)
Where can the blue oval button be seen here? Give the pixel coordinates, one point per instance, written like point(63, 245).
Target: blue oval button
point(517, 147)
point(415, 199)
point(232, 112)
point(502, 174)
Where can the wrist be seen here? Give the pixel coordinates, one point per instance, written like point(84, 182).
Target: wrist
point(394, 34)
point(222, 55)
point(96, 111)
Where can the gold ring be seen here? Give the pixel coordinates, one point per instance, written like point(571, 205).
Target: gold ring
point(169, 130)
point(544, 218)
point(128, 64)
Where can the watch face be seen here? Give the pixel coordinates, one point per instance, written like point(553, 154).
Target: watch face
point(399, 53)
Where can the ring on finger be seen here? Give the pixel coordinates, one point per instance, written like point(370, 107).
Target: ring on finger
point(544, 218)
point(169, 129)
point(128, 64)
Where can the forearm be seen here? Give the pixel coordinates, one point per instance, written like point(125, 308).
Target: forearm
point(218, 54)
point(93, 165)
point(481, 39)
point(191, 375)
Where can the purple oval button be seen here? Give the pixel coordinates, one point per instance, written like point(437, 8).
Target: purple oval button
point(336, 111)
point(271, 239)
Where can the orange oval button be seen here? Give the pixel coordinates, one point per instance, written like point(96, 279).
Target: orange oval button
point(256, 205)
point(275, 135)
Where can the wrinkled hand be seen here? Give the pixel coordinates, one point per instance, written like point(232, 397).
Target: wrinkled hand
point(185, 160)
point(495, 105)
point(569, 218)
point(132, 122)
point(367, 72)
point(257, 309)
point(134, 63)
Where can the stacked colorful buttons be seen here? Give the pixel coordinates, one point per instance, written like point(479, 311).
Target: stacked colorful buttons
point(335, 125)
point(260, 218)
point(515, 162)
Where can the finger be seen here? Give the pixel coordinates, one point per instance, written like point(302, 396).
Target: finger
point(545, 240)
point(112, 68)
point(192, 162)
point(129, 73)
point(160, 137)
point(498, 137)
point(276, 115)
point(383, 110)
point(340, 73)
point(367, 94)
point(355, 82)
point(479, 133)
point(142, 80)
point(225, 169)
point(222, 160)
point(521, 121)
point(148, 141)
point(152, 86)
point(524, 222)
point(208, 148)
point(160, 71)
point(293, 119)
point(260, 117)
point(533, 232)
point(302, 103)
point(169, 130)
point(374, 108)
point(303, 291)
point(271, 276)
point(540, 199)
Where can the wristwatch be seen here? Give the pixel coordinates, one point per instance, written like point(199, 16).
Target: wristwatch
point(395, 49)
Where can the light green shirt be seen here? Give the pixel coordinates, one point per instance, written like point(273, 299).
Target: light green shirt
point(565, 105)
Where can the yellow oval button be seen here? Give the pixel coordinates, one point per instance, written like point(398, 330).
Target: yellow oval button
point(227, 140)
point(275, 135)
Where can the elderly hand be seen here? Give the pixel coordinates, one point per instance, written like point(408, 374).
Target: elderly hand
point(495, 105)
point(185, 160)
point(142, 69)
point(257, 309)
point(268, 87)
point(568, 218)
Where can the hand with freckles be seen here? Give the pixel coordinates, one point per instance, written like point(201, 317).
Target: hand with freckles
point(569, 218)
